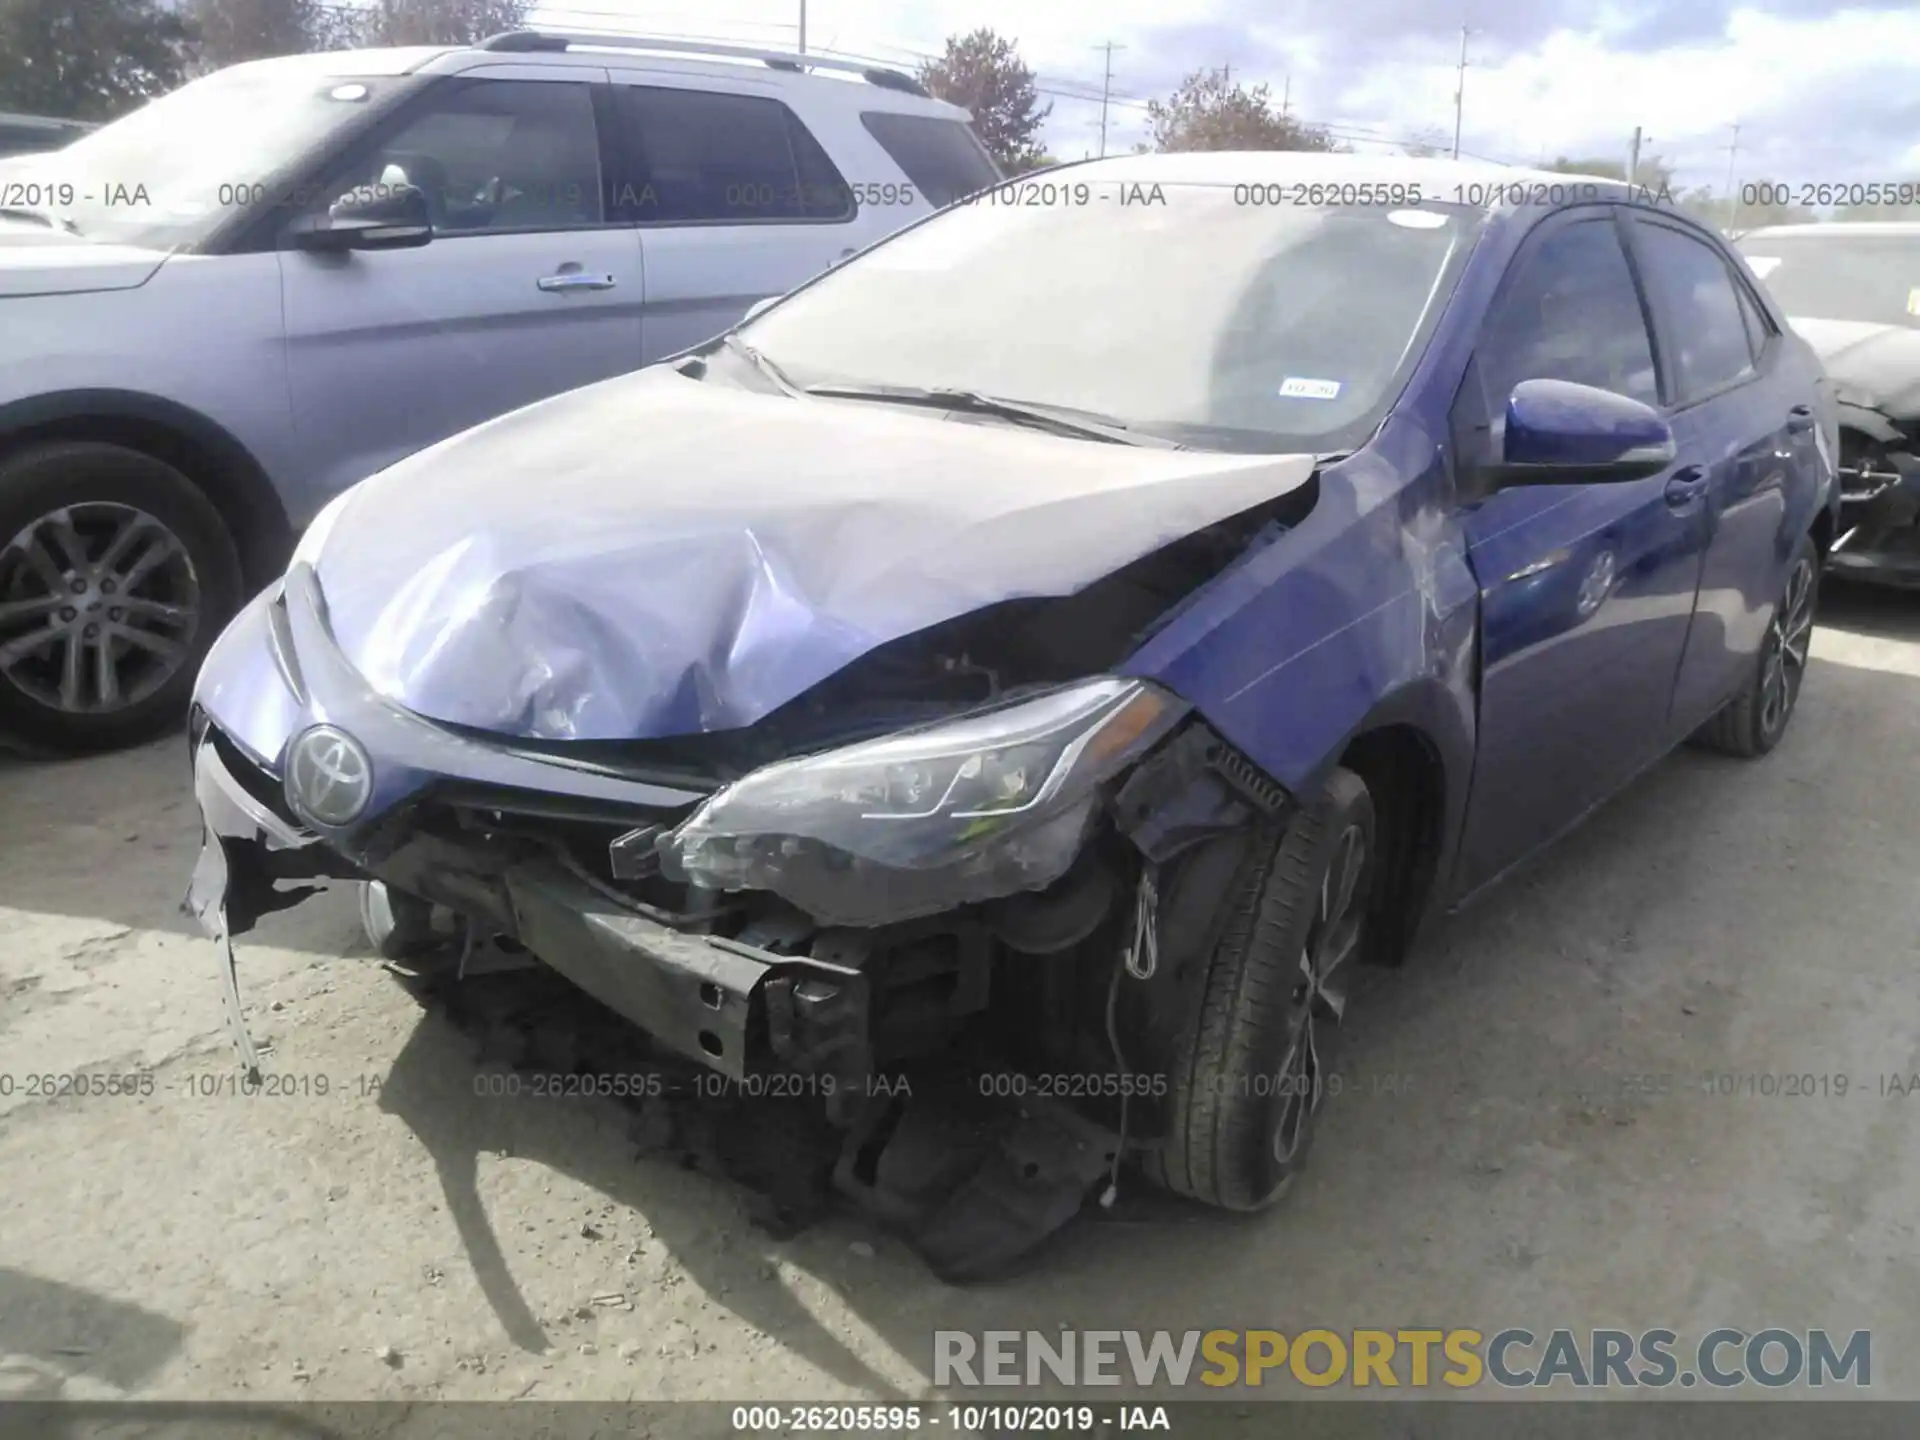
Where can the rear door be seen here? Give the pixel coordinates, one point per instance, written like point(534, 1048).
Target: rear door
point(525, 291)
point(1744, 416)
point(735, 200)
point(1587, 590)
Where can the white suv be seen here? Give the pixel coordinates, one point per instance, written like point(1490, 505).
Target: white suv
point(221, 310)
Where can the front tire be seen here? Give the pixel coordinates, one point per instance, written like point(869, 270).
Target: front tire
point(116, 576)
point(1753, 722)
point(1252, 1066)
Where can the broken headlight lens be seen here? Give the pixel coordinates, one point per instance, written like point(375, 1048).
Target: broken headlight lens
point(929, 819)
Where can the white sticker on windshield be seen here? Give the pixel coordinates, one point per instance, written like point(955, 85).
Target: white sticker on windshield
point(1298, 387)
point(1763, 265)
point(1417, 219)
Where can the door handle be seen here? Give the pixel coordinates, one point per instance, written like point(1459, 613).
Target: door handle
point(1799, 419)
point(1687, 485)
point(575, 280)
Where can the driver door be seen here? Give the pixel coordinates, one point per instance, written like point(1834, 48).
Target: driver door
point(525, 290)
point(1586, 590)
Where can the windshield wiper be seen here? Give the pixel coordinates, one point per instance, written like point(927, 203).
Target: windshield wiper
point(760, 362)
point(1056, 418)
point(53, 220)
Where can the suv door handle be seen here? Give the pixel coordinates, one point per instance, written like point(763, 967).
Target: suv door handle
point(575, 280)
point(1799, 419)
point(1687, 486)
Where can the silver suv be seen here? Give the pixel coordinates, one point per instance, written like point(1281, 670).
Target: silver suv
point(223, 309)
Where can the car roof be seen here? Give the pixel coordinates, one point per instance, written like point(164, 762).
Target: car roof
point(1436, 177)
point(1894, 229)
point(857, 83)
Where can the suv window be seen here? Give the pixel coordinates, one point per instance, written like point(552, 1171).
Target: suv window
point(943, 158)
point(1693, 291)
point(1569, 312)
point(701, 156)
point(494, 155)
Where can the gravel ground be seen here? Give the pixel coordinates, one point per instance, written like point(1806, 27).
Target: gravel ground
point(1494, 1160)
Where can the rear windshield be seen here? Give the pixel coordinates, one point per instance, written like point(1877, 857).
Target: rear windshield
point(943, 158)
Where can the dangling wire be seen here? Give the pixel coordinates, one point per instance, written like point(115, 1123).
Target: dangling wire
point(1140, 958)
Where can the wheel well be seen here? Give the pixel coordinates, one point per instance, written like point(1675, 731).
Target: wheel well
point(223, 471)
point(1407, 781)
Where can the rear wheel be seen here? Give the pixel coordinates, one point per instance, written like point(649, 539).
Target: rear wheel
point(1752, 722)
point(116, 576)
point(1253, 1066)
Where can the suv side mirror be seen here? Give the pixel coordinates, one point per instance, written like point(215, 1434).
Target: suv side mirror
point(370, 217)
point(1560, 433)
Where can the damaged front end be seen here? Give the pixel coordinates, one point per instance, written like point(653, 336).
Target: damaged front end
point(1879, 533)
point(949, 893)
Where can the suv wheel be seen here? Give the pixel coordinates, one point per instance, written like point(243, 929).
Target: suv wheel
point(1255, 1062)
point(116, 575)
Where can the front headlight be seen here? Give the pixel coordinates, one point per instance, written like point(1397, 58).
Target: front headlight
point(928, 819)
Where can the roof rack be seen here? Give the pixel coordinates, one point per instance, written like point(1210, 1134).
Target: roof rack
point(529, 41)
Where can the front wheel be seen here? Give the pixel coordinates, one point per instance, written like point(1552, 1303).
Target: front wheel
point(1255, 1062)
point(1752, 722)
point(116, 575)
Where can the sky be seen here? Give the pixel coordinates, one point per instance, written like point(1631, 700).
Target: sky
point(1822, 93)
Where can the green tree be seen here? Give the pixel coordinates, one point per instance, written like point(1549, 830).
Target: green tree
point(1652, 172)
point(235, 30)
point(1208, 112)
point(89, 59)
point(982, 72)
point(433, 22)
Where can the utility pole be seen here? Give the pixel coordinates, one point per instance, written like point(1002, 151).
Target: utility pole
point(1286, 97)
point(1226, 73)
point(1733, 198)
point(1633, 157)
point(1106, 89)
point(1460, 91)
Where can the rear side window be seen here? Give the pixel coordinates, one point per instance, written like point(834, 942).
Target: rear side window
point(943, 158)
point(1693, 290)
point(699, 156)
point(1759, 332)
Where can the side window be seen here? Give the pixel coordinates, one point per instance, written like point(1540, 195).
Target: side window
point(1694, 295)
point(1759, 331)
point(1569, 312)
point(493, 155)
point(943, 158)
point(701, 156)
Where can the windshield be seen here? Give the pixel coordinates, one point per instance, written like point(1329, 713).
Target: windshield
point(1873, 278)
point(1181, 310)
point(168, 174)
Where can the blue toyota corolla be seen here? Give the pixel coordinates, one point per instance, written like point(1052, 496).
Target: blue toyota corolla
point(1079, 630)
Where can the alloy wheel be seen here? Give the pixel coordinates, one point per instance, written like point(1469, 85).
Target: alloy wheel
point(1319, 999)
point(1785, 658)
point(99, 604)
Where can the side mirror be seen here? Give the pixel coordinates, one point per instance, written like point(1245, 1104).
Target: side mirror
point(1560, 433)
point(759, 307)
point(371, 217)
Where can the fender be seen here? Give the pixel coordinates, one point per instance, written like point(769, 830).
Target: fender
point(209, 454)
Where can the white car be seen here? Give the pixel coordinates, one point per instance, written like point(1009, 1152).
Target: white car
point(225, 308)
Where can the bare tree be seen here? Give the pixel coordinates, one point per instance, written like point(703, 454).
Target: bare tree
point(435, 22)
point(235, 30)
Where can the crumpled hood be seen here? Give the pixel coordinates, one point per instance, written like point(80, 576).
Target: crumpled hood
point(655, 555)
point(37, 261)
point(1877, 366)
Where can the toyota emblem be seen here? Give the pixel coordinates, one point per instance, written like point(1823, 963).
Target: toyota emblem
point(329, 776)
